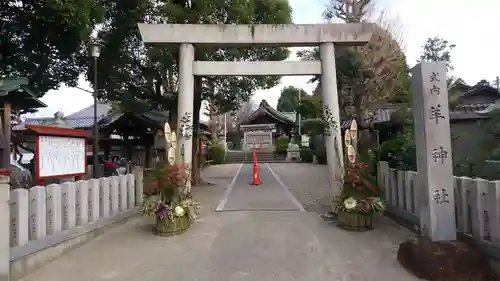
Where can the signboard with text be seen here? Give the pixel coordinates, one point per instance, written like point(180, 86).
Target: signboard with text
point(60, 156)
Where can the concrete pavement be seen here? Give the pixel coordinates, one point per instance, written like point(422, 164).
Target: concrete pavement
point(271, 195)
point(263, 245)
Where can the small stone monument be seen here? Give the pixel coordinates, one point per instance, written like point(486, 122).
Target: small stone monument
point(293, 151)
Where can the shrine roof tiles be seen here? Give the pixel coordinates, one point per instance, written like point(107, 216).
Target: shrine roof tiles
point(265, 108)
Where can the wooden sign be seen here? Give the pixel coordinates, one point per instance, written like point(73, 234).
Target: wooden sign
point(59, 157)
point(351, 154)
point(171, 155)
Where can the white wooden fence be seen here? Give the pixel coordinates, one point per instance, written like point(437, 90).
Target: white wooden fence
point(477, 204)
point(43, 211)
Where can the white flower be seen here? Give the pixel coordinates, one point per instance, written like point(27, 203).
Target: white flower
point(350, 203)
point(179, 211)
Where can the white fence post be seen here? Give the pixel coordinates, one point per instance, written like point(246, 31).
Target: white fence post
point(400, 179)
point(416, 193)
point(479, 192)
point(409, 192)
point(93, 185)
point(465, 197)
point(82, 203)
point(113, 195)
point(122, 194)
point(382, 167)
point(139, 185)
point(54, 209)
point(130, 190)
point(394, 187)
point(19, 217)
point(69, 205)
point(38, 223)
point(104, 203)
point(387, 185)
point(494, 211)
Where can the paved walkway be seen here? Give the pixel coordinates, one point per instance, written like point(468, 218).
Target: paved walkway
point(271, 195)
point(252, 238)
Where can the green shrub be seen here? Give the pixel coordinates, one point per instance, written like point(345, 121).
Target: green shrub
point(313, 127)
point(399, 153)
point(282, 144)
point(319, 149)
point(217, 153)
point(306, 155)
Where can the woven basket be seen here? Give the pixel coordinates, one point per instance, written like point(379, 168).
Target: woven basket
point(355, 221)
point(167, 227)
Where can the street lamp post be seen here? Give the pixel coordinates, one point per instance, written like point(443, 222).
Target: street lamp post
point(94, 49)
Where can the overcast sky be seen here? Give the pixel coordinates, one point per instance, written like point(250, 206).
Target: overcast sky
point(472, 26)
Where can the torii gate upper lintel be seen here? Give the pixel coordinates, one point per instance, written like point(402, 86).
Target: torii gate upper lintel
point(326, 36)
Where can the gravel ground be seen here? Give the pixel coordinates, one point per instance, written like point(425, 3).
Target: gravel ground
point(308, 183)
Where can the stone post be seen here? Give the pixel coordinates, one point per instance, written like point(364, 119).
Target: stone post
point(130, 191)
point(82, 203)
point(38, 212)
point(19, 213)
point(139, 185)
point(93, 185)
point(382, 167)
point(333, 141)
point(104, 203)
point(434, 158)
point(68, 205)
point(54, 209)
point(122, 194)
point(185, 107)
point(113, 195)
point(5, 227)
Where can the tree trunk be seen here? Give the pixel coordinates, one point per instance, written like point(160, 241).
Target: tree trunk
point(196, 160)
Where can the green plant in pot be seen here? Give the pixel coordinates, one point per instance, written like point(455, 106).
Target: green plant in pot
point(358, 200)
point(172, 209)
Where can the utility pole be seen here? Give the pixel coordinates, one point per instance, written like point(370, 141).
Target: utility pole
point(298, 115)
point(225, 132)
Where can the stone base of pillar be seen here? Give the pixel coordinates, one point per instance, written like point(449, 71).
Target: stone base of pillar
point(443, 261)
point(5, 228)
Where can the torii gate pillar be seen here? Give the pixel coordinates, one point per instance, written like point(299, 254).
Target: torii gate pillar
point(285, 35)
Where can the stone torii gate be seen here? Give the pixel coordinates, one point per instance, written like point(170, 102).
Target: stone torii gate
point(287, 35)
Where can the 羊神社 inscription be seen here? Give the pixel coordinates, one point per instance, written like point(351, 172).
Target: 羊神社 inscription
point(435, 174)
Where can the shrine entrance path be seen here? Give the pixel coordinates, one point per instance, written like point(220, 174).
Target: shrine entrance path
point(284, 244)
point(270, 195)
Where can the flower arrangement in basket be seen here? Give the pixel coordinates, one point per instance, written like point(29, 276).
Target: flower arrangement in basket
point(354, 198)
point(171, 208)
point(358, 200)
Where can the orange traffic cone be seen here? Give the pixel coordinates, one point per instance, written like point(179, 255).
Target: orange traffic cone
point(255, 174)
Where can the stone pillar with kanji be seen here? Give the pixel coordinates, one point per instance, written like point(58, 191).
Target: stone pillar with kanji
point(436, 254)
point(434, 161)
